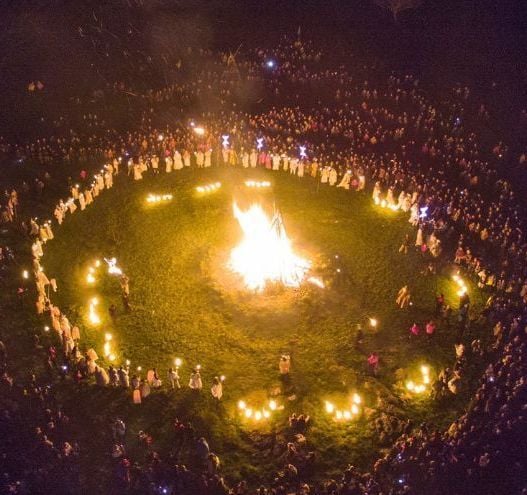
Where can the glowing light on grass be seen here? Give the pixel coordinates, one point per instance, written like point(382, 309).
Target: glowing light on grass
point(257, 184)
point(209, 187)
point(225, 141)
point(260, 414)
point(265, 253)
point(90, 277)
point(302, 151)
point(347, 413)
point(384, 204)
point(461, 284)
point(157, 198)
point(177, 362)
point(419, 388)
point(200, 131)
point(92, 314)
point(373, 322)
point(25, 274)
point(113, 269)
point(259, 143)
point(107, 347)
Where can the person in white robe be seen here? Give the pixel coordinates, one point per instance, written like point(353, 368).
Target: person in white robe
point(36, 250)
point(82, 201)
point(58, 214)
point(43, 235)
point(108, 180)
point(144, 389)
point(435, 246)
point(345, 181)
point(74, 190)
point(285, 162)
point(124, 377)
point(178, 160)
point(101, 377)
point(40, 304)
point(200, 158)
point(414, 215)
point(75, 333)
point(293, 166)
point(95, 188)
point(88, 196)
point(100, 181)
point(208, 158)
point(376, 194)
point(400, 199)
point(276, 161)
point(143, 164)
point(419, 238)
point(225, 155)
point(217, 388)
point(49, 230)
point(41, 278)
point(33, 228)
point(116, 163)
point(186, 158)
point(173, 378)
point(155, 164)
point(362, 182)
point(130, 164)
point(168, 164)
point(406, 203)
point(138, 171)
point(301, 166)
point(245, 159)
point(67, 344)
point(195, 382)
point(324, 175)
point(253, 158)
point(332, 176)
point(389, 197)
point(65, 326)
point(71, 205)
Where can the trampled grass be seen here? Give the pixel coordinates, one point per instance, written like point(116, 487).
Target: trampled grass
point(187, 304)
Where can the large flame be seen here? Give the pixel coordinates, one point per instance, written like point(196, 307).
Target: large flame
point(265, 253)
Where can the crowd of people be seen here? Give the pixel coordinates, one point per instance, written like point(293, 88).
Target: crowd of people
point(355, 130)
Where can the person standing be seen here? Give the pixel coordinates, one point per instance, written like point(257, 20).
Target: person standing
point(217, 388)
point(195, 382)
point(284, 365)
point(173, 378)
point(404, 246)
point(124, 379)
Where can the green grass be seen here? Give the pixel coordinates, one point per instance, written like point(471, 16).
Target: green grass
point(187, 304)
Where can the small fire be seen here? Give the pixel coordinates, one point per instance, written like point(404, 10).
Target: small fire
point(265, 253)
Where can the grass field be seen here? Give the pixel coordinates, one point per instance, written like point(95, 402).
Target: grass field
point(187, 304)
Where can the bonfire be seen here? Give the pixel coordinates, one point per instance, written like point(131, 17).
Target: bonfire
point(265, 253)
